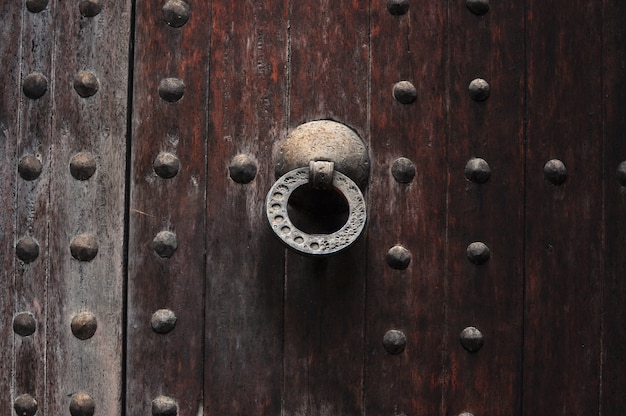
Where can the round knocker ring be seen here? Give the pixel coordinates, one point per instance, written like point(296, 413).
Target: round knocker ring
point(314, 244)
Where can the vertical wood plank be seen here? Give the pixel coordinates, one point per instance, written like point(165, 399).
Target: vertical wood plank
point(167, 363)
point(324, 298)
point(407, 47)
point(84, 202)
point(563, 222)
point(245, 263)
point(486, 296)
point(613, 371)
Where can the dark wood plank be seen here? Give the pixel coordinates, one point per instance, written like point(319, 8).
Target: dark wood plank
point(245, 263)
point(324, 298)
point(167, 364)
point(32, 220)
point(87, 205)
point(408, 47)
point(485, 296)
point(613, 400)
point(563, 234)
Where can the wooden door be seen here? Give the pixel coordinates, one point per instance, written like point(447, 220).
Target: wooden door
point(138, 141)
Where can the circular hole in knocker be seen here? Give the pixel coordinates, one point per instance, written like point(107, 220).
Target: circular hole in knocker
point(317, 211)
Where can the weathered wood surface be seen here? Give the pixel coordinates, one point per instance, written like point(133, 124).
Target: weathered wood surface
point(563, 233)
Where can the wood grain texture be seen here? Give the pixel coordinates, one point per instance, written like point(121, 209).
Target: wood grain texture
point(245, 262)
point(563, 232)
point(324, 298)
point(488, 296)
point(409, 47)
point(613, 371)
point(95, 206)
point(167, 364)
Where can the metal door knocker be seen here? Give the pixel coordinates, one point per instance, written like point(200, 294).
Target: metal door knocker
point(316, 206)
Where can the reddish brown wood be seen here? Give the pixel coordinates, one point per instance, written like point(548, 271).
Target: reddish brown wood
point(486, 296)
point(563, 256)
point(168, 364)
point(409, 47)
point(613, 371)
point(245, 263)
point(324, 298)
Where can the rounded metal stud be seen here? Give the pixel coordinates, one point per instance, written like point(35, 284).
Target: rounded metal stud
point(242, 169)
point(84, 325)
point(478, 7)
point(36, 6)
point(86, 84)
point(165, 243)
point(403, 170)
point(404, 92)
point(163, 321)
point(35, 85)
point(29, 168)
point(176, 13)
point(27, 249)
point(555, 172)
point(477, 170)
point(466, 414)
point(398, 7)
point(394, 341)
point(164, 406)
point(621, 173)
point(171, 89)
point(471, 339)
point(479, 89)
point(478, 252)
point(166, 165)
point(25, 405)
point(90, 8)
point(82, 166)
point(82, 404)
point(84, 247)
point(24, 324)
point(398, 257)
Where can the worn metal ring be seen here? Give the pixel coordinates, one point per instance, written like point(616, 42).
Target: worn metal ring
point(314, 244)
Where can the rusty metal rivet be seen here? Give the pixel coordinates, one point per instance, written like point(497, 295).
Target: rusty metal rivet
point(621, 173)
point(84, 325)
point(478, 252)
point(24, 324)
point(84, 247)
point(166, 165)
point(164, 406)
point(479, 89)
point(176, 13)
point(82, 405)
point(403, 170)
point(27, 249)
point(555, 172)
point(36, 6)
point(242, 169)
point(471, 339)
point(477, 170)
point(398, 257)
point(35, 85)
point(394, 341)
point(86, 84)
point(165, 243)
point(171, 89)
point(404, 92)
point(82, 166)
point(163, 321)
point(25, 405)
point(398, 7)
point(29, 167)
point(478, 7)
point(90, 8)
